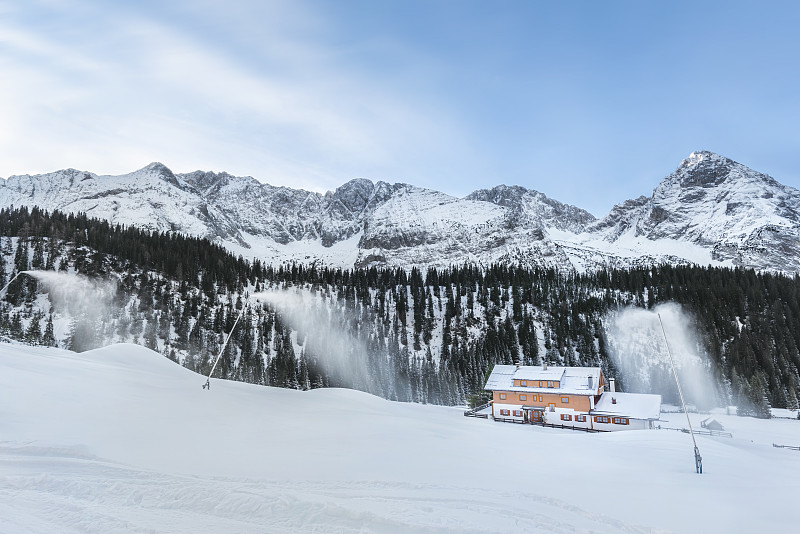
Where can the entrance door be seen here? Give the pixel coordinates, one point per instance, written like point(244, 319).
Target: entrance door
point(536, 416)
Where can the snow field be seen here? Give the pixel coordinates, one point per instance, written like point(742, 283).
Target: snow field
point(122, 439)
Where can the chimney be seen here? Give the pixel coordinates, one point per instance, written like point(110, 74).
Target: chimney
point(611, 385)
point(591, 382)
point(544, 366)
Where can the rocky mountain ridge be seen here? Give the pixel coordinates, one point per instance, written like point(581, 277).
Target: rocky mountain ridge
point(711, 210)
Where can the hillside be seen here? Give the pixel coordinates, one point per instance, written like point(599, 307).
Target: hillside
point(427, 337)
point(121, 439)
point(710, 211)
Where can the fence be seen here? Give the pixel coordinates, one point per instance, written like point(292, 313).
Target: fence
point(792, 447)
point(699, 432)
point(474, 411)
point(549, 425)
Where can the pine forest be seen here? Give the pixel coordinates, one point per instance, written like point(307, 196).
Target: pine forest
point(428, 337)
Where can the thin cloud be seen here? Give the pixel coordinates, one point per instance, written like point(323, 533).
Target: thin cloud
point(136, 87)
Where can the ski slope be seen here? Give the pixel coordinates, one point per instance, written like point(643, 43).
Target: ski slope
point(121, 439)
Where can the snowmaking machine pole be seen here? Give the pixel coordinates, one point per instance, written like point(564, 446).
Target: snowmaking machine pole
point(207, 385)
point(698, 460)
point(11, 281)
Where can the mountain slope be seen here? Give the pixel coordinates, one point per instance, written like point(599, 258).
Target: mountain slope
point(711, 210)
point(742, 216)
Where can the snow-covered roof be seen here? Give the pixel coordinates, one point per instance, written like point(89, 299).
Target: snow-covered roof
point(502, 377)
point(712, 424)
point(633, 405)
point(537, 372)
point(574, 380)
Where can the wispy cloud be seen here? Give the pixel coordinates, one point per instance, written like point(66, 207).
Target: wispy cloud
point(125, 87)
point(589, 104)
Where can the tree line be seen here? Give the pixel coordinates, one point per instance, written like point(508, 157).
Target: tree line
point(411, 335)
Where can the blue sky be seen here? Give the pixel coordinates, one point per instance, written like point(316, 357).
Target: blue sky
point(589, 102)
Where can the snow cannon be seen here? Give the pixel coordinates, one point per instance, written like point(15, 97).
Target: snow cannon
point(207, 385)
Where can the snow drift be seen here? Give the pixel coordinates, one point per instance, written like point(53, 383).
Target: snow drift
point(122, 439)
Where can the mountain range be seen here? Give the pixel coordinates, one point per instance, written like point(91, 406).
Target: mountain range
point(710, 211)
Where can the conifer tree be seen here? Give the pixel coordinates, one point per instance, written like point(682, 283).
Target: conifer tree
point(49, 338)
point(33, 334)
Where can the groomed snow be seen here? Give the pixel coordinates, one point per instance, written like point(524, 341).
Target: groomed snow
point(122, 439)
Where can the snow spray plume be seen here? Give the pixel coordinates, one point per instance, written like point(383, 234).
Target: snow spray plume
point(84, 299)
point(339, 354)
point(76, 294)
point(636, 345)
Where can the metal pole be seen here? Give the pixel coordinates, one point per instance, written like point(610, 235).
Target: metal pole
point(698, 460)
point(207, 385)
point(10, 282)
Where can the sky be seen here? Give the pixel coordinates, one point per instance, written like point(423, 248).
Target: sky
point(589, 102)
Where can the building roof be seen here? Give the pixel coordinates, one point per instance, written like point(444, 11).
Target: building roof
point(572, 380)
point(538, 372)
point(712, 424)
point(502, 377)
point(632, 405)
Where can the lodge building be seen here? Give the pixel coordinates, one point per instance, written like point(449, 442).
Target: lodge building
point(572, 396)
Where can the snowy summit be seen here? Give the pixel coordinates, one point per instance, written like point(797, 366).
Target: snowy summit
point(711, 210)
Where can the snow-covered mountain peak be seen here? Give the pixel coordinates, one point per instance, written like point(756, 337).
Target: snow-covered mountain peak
point(744, 217)
point(711, 209)
point(699, 156)
point(157, 167)
point(535, 208)
point(160, 171)
point(358, 194)
point(209, 182)
point(708, 169)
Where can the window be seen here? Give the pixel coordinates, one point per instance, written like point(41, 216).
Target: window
point(601, 419)
point(552, 407)
point(620, 420)
point(523, 382)
point(523, 397)
point(502, 396)
point(566, 417)
point(517, 413)
point(550, 384)
point(580, 418)
point(564, 400)
point(504, 412)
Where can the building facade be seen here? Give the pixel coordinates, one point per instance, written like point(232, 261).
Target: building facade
point(579, 397)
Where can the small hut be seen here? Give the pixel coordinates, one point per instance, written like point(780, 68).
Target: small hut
point(712, 424)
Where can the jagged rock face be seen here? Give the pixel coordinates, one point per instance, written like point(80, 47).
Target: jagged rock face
point(744, 217)
point(531, 207)
point(710, 210)
point(152, 198)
